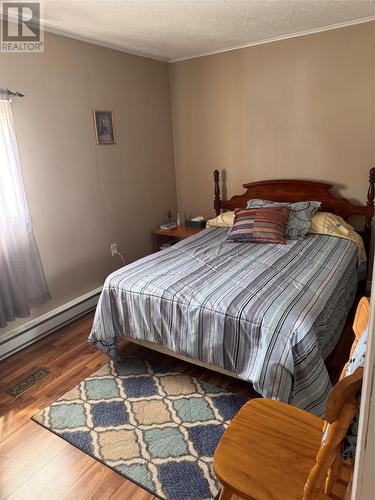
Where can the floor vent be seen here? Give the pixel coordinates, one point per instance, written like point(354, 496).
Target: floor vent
point(27, 382)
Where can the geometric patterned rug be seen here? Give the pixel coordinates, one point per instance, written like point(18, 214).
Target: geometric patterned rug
point(155, 426)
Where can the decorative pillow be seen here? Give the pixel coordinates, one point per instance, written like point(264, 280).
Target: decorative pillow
point(357, 359)
point(225, 219)
point(259, 225)
point(299, 217)
point(333, 225)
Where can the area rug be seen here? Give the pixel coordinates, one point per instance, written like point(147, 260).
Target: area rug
point(155, 426)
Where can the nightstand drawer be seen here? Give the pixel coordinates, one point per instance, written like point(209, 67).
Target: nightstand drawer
point(162, 236)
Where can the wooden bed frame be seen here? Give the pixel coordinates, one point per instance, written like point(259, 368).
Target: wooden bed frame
point(282, 190)
point(292, 190)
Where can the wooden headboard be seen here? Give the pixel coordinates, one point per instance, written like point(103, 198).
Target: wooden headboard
point(292, 190)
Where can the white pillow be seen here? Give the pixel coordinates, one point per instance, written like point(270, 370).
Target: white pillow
point(225, 219)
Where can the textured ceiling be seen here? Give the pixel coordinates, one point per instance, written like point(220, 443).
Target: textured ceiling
point(177, 29)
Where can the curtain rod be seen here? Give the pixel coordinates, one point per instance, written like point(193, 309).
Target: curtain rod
point(14, 93)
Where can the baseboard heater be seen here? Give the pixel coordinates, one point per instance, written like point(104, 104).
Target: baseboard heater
point(43, 325)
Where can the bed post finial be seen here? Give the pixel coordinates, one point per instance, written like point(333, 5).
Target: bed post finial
point(370, 210)
point(217, 192)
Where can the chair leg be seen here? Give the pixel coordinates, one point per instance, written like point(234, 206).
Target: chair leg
point(333, 474)
point(225, 493)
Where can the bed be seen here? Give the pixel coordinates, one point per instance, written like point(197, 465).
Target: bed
point(268, 314)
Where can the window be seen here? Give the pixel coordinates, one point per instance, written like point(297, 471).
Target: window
point(22, 281)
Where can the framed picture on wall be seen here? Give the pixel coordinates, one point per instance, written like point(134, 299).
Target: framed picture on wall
point(104, 127)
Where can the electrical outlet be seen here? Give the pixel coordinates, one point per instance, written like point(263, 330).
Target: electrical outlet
point(113, 249)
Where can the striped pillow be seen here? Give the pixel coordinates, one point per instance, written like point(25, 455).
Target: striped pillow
point(260, 225)
point(298, 223)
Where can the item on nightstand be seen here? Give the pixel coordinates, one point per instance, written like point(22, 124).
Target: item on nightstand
point(178, 220)
point(164, 246)
point(170, 225)
point(195, 222)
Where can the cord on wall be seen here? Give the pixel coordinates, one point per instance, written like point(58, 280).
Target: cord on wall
point(114, 252)
point(121, 257)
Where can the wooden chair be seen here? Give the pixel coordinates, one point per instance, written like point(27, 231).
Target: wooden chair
point(272, 450)
point(360, 323)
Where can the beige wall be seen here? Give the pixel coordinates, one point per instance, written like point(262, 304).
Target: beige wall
point(301, 108)
point(82, 197)
point(297, 108)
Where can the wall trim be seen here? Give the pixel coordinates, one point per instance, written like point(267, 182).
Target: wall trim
point(92, 41)
point(47, 323)
point(276, 39)
point(111, 46)
point(172, 60)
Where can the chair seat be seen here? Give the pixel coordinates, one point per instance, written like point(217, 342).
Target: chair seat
point(268, 450)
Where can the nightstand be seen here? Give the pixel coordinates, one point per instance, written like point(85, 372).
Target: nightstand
point(178, 233)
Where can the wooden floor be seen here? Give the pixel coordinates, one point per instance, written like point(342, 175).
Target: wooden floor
point(36, 464)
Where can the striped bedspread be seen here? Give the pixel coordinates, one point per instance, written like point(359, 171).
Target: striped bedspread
point(269, 313)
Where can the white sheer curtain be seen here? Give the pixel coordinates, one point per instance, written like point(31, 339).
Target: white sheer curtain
point(22, 281)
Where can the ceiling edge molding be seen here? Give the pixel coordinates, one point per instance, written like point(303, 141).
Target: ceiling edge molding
point(93, 41)
point(276, 39)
